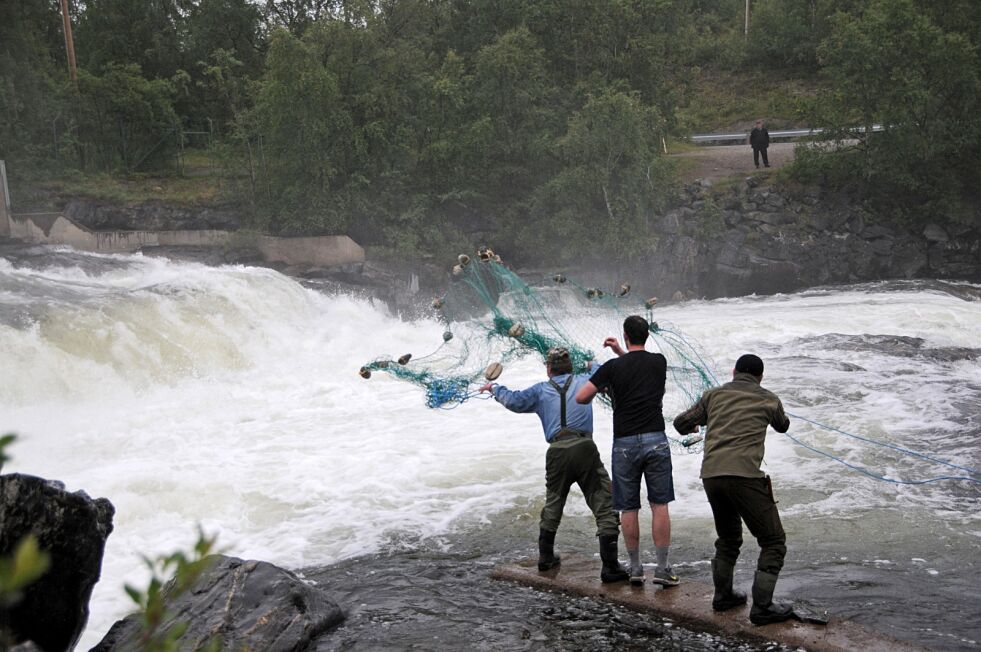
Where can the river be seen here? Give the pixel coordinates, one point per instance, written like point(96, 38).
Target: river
point(229, 397)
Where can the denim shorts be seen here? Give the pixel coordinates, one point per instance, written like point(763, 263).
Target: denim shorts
point(647, 455)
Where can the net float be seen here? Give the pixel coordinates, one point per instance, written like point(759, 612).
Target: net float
point(493, 371)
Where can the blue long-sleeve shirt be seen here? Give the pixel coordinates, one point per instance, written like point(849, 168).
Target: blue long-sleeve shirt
point(543, 400)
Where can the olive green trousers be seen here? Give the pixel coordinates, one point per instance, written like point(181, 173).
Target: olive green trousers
point(574, 459)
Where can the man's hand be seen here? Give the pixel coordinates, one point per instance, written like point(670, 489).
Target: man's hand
point(613, 344)
point(486, 388)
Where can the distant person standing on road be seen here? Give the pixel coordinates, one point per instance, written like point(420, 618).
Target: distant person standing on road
point(759, 139)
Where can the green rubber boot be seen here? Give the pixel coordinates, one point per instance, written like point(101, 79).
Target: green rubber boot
point(612, 570)
point(547, 559)
point(725, 598)
point(765, 611)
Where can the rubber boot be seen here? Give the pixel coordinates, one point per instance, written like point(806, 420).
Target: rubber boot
point(765, 610)
point(547, 559)
point(725, 598)
point(612, 570)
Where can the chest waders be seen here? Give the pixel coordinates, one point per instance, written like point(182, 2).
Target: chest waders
point(611, 570)
point(547, 559)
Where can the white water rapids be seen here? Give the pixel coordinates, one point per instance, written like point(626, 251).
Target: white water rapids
point(229, 397)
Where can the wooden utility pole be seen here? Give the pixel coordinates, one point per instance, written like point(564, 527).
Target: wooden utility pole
point(746, 27)
point(69, 44)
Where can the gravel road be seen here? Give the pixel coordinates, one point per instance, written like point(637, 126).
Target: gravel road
point(722, 161)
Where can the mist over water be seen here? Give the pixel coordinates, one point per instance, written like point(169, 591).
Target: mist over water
point(229, 397)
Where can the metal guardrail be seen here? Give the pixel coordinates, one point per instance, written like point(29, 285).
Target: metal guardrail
point(743, 137)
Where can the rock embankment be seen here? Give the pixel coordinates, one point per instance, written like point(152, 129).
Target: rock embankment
point(244, 605)
point(72, 529)
point(751, 238)
point(729, 238)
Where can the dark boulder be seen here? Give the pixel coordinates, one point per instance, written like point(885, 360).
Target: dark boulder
point(247, 605)
point(72, 528)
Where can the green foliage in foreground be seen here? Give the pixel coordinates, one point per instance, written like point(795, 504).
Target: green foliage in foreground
point(5, 441)
point(170, 576)
point(18, 571)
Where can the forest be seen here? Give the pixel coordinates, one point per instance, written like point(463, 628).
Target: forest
point(418, 125)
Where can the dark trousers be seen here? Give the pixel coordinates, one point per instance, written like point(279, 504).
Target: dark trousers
point(576, 461)
point(736, 500)
point(756, 156)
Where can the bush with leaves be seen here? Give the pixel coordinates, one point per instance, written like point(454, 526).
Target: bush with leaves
point(170, 576)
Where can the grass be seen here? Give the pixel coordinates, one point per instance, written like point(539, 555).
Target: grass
point(723, 101)
point(133, 188)
point(204, 181)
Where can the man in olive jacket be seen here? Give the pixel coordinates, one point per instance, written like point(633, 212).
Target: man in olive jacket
point(737, 415)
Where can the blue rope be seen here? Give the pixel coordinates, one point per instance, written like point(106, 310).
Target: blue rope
point(886, 445)
point(440, 397)
point(900, 449)
point(869, 473)
point(441, 392)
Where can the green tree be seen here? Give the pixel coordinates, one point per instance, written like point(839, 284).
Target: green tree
point(225, 46)
point(785, 34)
point(510, 132)
point(113, 33)
point(300, 119)
point(893, 66)
point(34, 89)
point(611, 181)
point(125, 119)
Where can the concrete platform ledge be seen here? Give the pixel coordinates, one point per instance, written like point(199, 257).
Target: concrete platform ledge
point(690, 604)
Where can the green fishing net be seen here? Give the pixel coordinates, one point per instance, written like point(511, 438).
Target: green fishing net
point(492, 315)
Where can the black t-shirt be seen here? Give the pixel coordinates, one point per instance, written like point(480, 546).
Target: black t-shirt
point(635, 384)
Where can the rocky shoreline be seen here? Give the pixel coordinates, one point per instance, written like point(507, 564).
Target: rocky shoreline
point(422, 599)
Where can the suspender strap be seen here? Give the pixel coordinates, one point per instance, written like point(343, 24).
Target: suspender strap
point(562, 390)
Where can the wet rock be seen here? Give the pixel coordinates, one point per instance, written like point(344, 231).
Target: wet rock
point(72, 529)
point(247, 605)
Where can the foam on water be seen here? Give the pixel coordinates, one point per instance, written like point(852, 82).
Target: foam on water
point(229, 397)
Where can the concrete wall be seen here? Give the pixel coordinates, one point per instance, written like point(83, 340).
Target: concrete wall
point(56, 229)
point(320, 251)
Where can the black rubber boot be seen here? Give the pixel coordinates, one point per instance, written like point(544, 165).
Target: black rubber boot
point(547, 559)
point(725, 598)
point(765, 611)
point(612, 570)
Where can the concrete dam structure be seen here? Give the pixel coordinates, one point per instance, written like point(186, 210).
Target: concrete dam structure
point(57, 229)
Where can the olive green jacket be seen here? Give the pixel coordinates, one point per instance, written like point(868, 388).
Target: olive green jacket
point(737, 415)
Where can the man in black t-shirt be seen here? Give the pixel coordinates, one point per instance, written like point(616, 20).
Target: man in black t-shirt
point(635, 384)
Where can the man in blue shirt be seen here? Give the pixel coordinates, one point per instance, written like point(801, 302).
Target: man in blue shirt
point(572, 457)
